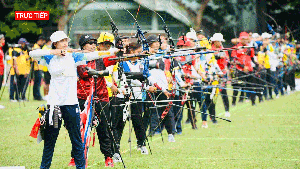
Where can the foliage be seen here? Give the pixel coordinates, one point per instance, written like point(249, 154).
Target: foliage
point(14, 29)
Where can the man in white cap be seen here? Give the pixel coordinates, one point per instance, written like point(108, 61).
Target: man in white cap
point(63, 94)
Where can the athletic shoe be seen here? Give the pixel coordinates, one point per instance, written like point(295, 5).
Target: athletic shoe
point(2, 107)
point(204, 126)
point(277, 96)
point(195, 128)
point(144, 150)
point(109, 162)
point(179, 133)
point(117, 158)
point(215, 121)
point(247, 100)
point(187, 121)
point(227, 114)
point(138, 148)
point(233, 104)
point(157, 132)
point(13, 100)
point(171, 138)
point(72, 162)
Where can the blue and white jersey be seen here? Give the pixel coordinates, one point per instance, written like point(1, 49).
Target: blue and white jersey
point(129, 66)
point(63, 71)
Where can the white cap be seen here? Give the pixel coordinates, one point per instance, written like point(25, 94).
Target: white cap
point(277, 35)
point(191, 35)
point(217, 37)
point(58, 35)
point(266, 35)
point(255, 35)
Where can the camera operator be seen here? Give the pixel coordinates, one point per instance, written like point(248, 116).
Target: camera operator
point(20, 63)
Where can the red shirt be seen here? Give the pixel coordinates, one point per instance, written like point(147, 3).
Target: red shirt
point(223, 61)
point(187, 68)
point(84, 81)
point(243, 56)
point(1, 61)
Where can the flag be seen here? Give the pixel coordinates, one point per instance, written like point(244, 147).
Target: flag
point(35, 129)
point(86, 123)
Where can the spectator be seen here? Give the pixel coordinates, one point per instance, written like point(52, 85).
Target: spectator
point(38, 69)
point(47, 76)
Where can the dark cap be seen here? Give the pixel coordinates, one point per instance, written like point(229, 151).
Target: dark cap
point(84, 39)
point(23, 40)
point(41, 38)
point(151, 39)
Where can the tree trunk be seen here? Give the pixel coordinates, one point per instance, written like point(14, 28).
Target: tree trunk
point(62, 23)
point(198, 19)
point(64, 19)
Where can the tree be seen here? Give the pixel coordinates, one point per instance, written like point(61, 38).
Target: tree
point(195, 15)
point(59, 15)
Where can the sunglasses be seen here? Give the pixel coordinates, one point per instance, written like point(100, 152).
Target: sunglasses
point(92, 42)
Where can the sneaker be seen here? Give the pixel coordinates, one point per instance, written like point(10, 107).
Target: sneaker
point(204, 126)
point(241, 101)
point(144, 150)
point(157, 132)
point(2, 107)
point(72, 162)
point(277, 96)
point(215, 121)
point(179, 133)
point(227, 114)
point(247, 100)
point(195, 127)
point(233, 104)
point(109, 162)
point(13, 100)
point(117, 158)
point(138, 148)
point(171, 138)
point(187, 121)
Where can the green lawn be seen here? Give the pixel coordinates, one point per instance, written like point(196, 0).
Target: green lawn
point(263, 136)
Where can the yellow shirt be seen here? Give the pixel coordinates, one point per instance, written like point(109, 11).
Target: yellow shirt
point(23, 61)
point(264, 59)
point(110, 80)
point(36, 65)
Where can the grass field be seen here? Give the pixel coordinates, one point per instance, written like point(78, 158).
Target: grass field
point(263, 136)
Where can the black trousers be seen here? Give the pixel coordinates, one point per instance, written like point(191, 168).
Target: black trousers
point(249, 84)
point(117, 121)
point(210, 105)
point(37, 85)
point(103, 130)
point(22, 86)
point(238, 86)
point(191, 105)
point(157, 122)
point(168, 121)
point(225, 98)
point(269, 80)
point(137, 122)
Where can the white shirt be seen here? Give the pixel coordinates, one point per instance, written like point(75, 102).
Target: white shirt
point(63, 71)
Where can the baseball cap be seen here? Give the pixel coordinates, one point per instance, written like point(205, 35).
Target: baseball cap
point(58, 35)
